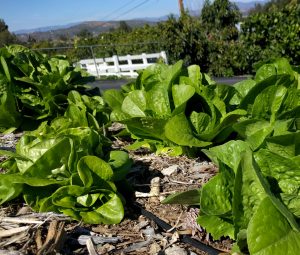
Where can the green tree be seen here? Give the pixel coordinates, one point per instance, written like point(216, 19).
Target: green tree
point(84, 33)
point(31, 40)
point(184, 38)
point(6, 37)
point(124, 27)
point(219, 19)
point(221, 16)
point(273, 34)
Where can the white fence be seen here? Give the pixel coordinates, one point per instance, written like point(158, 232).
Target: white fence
point(121, 65)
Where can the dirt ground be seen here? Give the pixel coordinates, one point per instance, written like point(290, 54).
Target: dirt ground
point(149, 227)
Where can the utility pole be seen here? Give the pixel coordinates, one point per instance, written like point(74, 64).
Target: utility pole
point(181, 8)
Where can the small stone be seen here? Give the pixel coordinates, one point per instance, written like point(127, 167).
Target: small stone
point(142, 223)
point(170, 170)
point(175, 250)
point(105, 249)
point(24, 210)
point(200, 167)
point(154, 248)
point(198, 176)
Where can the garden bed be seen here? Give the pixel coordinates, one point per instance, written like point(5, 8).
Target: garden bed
point(153, 178)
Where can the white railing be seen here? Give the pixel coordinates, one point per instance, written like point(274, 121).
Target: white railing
point(121, 65)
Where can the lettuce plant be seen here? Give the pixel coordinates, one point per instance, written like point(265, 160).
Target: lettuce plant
point(174, 107)
point(272, 102)
point(35, 86)
point(268, 176)
point(71, 161)
point(72, 169)
point(254, 199)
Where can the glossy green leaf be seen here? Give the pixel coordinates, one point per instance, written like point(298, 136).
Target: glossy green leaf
point(172, 151)
point(181, 94)
point(291, 105)
point(195, 75)
point(9, 189)
point(158, 101)
point(5, 68)
point(66, 196)
point(201, 121)
point(228, 153)
point(190, 197)
point(94, 165)
point(254, 131)
point(76, 115)
point(114, 98)
point(226, 122)
point(216, 226)
point(265, 72)
point(217, 193)
point(225, 93)
point(9, 116)
point(40, 201)
point(147, 128)
point(120, 163)
point(283, 66)
point(268, 103)
point(250, 189)
point(179, 131)
point(281, 168)
point(243, 87)
point(280, 80)
point(87, 200)
point(292, 202)
point(111, 212)
point(135, 104)
point(285, 145)
point(172, 73)
point(270, 233)
point(46, 156)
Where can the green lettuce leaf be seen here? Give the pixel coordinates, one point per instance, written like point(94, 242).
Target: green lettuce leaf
point(254, 131)
point(228, 153)
point(179, 131)
point(216, 226)
point(280, 168)
point(250, 189)
point(181, 94)
point(120, 163)
point(135, 104)
point(189, 197)
point(216, 195)
point(269, 232)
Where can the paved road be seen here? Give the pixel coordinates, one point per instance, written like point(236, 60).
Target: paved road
point(116, 84)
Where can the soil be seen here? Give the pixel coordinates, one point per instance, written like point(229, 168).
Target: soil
point(153, 178)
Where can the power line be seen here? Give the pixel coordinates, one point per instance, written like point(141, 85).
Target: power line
point(118, 9)
point(132, 9)
point(126, 12)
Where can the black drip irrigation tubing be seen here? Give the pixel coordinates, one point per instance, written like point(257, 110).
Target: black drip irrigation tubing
point(184, 238)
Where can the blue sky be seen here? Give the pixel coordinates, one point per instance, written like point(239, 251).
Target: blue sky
point(27, 14)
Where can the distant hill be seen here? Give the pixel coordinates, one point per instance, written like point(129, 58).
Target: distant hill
point(70, 30)
point(44, 29)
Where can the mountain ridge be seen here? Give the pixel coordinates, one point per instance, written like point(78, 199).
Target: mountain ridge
point(94, 27)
